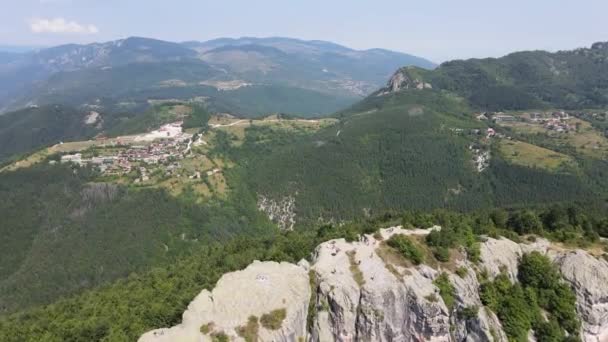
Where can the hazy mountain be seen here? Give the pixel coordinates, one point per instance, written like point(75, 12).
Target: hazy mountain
point(334, 74)
point(312, 64)
point(7, 57)
point(115, 53)
point(19, 48)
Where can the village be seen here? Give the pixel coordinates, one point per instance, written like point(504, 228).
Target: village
point(556, 121)
point(159, 149)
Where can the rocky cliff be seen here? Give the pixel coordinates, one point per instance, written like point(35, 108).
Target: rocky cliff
point(406, 78)
point(363, 291)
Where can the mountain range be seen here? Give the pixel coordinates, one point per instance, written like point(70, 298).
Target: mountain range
point(123, 72)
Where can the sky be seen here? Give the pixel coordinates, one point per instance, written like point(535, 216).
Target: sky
point(437, 30)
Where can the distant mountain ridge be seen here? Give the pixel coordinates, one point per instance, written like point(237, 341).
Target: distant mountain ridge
point(322, 67)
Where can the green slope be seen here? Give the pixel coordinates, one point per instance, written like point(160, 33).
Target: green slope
point(399, 151)
point(565, 79)
point(29, 129)
point(62, 233)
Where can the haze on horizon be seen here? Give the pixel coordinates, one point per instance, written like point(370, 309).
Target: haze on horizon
point(437, 30)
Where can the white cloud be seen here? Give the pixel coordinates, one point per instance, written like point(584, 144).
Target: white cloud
point(60, 25)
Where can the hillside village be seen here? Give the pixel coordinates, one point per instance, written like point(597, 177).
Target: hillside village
point(162, 149)
point(558, 121)
point(170, 156)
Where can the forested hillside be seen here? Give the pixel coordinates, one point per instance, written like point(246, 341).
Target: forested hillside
point(523, 80)
point(29, 129)
point(410, 149)
point(63, 233)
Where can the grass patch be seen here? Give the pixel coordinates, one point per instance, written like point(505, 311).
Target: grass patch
point(274, 319)
point(391, 257)
point(524, 154)
point(249, 332)
point(586, 140)
point(393, 270)
point(354, 269)
point(406, 248)
point(312, 304)
point(462, 271)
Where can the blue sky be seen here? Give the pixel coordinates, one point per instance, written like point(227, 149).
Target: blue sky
point(438, 30)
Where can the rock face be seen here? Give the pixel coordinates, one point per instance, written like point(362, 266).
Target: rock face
point(282, 212)
point(364, 291)
point(405, 78)
point(503, 255)
point(360, 299)
point(589, 279)
point(255, 291)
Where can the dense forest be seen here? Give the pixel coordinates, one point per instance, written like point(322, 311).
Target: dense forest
point(62, 232)
point(399, 152)
point(29, 129)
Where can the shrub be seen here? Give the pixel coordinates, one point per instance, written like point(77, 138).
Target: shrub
point(499, 217)
point(446, 289)
point(473, 252)
point(536, 270)
point(249, 332)
point(462, 271)
point(312, 304)
point(548, 331)
point(406, 248)
point(207, 328)
point(274, 319)
point(470, 312)
point(416, 220)
point(525, 222)
point(519, 306)
point(220, 337)
point(432, 298)
point(442, 254)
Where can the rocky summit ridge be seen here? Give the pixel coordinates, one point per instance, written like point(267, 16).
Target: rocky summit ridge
point(358, 291)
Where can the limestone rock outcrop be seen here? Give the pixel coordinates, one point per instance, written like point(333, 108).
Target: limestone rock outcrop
point(361, 298)
point(588, 277)
point(405, 78)
point(364, 291)
point(255, 291)
point(502, 255)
